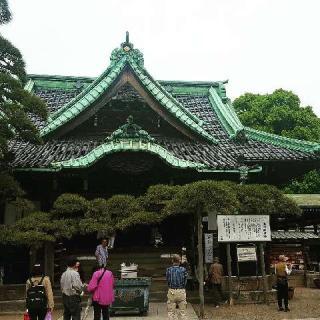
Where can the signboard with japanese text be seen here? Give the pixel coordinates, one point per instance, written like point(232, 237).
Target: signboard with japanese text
point(245, 254)
point(243, 228)
point(208, 247)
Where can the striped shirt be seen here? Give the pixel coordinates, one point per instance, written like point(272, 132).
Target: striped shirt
point(101, 255)
point(176, 277)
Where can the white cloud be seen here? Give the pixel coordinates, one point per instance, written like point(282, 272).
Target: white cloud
point(260, 45)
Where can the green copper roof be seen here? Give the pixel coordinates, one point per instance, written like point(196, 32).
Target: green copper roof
point(226, 114)
point(170, 103)
point(29, 85)
point(232, 124)
point(126, 145)
point(120, 58)
point(137, 145)
point(59, 82)
point(161, 91)
point(84, 99)
point(281, 141)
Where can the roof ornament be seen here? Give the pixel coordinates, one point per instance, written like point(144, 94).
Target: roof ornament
point(222, 91)
point(244, 169)
point(126, 50)
point(130, 131)
point(241, 136)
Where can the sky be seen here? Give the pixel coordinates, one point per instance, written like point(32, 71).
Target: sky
point(259, 45)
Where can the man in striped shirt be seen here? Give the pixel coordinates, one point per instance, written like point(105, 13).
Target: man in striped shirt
point(177, 280)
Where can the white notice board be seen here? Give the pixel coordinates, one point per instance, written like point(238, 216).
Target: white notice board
point(208, 247)
point(242, 228)
point(246, 254)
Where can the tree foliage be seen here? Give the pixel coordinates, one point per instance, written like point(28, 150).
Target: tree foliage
point(280, 113)
point(9, 188)
point(73, 214)
point(97, 218)
point(157, 196)
point(121, 206)
point(70, 206)
point(204, 197)
point(264, 199)
point(308, 183)
point(17, 106)
point(5, 14)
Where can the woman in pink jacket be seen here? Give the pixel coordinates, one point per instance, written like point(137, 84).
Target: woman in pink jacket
point(101, 285)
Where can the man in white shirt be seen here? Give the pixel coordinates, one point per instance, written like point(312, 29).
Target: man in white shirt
point(71, 287)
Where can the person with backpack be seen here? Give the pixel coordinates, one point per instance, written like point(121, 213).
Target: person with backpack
point(39, 295)
point(101, 286)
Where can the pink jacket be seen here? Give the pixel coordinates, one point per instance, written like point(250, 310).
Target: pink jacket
point(102, 293)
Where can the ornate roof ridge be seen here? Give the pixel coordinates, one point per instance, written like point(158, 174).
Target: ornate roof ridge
point(121, 57)
point(83, 99)
point(136, 145)
point(226, 114)
point(55, 77)
point(235, 129)
point(169, 102)
point(130, 145)
point(290, 143)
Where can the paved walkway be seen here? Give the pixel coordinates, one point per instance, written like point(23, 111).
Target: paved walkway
point(156, 311)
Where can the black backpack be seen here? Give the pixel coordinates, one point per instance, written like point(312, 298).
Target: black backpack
point(36, 296)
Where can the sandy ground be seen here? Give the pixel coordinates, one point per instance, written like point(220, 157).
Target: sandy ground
point(304, 305)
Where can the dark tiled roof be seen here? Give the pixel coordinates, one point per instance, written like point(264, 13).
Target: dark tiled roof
point(225, 155)
point(29, 156)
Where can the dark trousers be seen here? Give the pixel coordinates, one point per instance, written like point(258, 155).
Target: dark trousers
point(217, 293)
point(37, 315)
point(72, 307)
point(98, 309)
point(282, 293)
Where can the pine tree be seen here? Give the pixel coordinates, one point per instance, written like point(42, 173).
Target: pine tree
point(17, 106)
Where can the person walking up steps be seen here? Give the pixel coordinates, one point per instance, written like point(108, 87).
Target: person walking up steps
point(39, 294)
point(177, 280)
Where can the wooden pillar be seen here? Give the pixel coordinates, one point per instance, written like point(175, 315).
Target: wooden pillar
point(229, 270)
point(263, 272)
point(200, 264)
point(49, 260)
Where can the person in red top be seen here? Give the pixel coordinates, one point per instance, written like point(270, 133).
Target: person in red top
point(101, 286)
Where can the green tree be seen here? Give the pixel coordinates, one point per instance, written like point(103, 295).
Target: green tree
point(10, 189)
point(280, 113)
point(308, 183)
point(42, 229)
point(17, 106)
point(5, 14)
point(263, 199)
point(200, 198)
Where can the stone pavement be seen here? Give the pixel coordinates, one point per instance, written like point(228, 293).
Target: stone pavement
point(156, 311)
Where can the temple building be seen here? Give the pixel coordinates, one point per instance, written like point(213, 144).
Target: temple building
point(124, 131)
